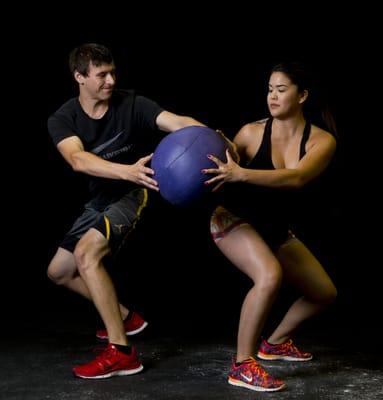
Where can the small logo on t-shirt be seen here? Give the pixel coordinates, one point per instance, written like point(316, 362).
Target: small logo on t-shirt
point(115, 153)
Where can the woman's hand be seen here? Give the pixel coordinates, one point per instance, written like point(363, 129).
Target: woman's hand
point(226, 172)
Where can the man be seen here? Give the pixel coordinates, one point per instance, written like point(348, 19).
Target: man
point(101, 133)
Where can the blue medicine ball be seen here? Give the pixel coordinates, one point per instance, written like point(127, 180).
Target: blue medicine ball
point(178, 160)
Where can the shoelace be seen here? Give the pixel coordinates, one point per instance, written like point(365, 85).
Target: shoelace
point(257, 369)
point(103, 353)
point(105, 358)
point(290, 347)
point(261, 375)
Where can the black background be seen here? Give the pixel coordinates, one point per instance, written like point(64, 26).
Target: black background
point(214, 69)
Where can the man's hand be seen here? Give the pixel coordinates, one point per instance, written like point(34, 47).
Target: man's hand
point(139, 173)
point(231, 146)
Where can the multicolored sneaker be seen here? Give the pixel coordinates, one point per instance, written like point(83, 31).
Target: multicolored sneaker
point(250, 375)
point(133, 324)
point(110, 362)
point(285, 351)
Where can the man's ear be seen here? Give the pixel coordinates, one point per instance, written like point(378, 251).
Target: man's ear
point(79, 77)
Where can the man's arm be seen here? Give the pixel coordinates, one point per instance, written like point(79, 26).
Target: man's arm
point(83, 161)
point(169, 122)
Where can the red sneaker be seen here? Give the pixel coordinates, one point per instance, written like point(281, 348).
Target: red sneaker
point(133, 324)
point(251, 375)
point(108, 363)
point(285, 351)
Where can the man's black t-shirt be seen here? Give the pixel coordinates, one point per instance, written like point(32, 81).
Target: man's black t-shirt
point(120, 136)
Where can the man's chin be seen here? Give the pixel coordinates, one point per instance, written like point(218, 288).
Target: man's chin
point(106, 96)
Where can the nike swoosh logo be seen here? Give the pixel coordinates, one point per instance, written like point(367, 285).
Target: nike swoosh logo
point(102, 146)
point(246, 378)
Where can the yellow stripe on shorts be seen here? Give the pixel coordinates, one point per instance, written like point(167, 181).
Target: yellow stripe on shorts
point(107, 226)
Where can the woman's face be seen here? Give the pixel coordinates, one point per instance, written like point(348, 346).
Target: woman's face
point(283, 98)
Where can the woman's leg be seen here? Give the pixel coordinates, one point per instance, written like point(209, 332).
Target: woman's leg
point(304, 271)
point(250, 254)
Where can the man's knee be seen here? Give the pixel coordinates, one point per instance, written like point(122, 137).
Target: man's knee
point(59, 274)
point(89, 252)
point(82, 257)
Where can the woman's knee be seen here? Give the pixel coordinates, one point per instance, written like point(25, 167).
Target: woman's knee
point(326, 296)
point(271, 278)
point(330, 295)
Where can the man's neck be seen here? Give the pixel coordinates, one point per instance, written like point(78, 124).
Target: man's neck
point(96, 109)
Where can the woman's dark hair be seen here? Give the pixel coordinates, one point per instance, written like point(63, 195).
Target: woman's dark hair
point(82, 56)
point(299, 74)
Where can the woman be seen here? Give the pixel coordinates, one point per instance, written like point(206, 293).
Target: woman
point(279, 157)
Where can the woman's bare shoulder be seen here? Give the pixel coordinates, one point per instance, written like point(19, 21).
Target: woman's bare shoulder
point(319, 135)
point(252, 128)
